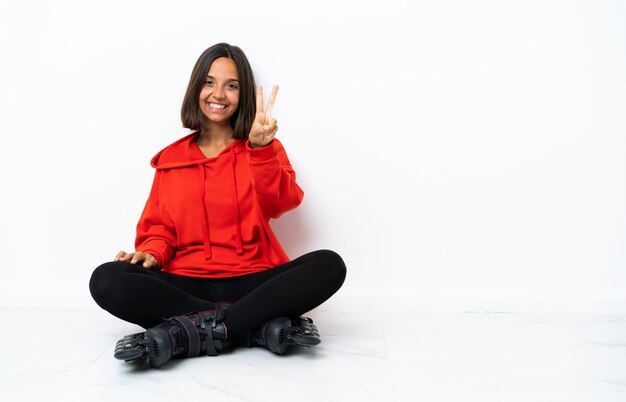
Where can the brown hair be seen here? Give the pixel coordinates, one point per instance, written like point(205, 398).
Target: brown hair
point(241, 120)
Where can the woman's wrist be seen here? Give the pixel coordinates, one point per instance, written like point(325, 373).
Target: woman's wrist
point(255, 146)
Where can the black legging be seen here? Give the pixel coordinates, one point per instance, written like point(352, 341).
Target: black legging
point(146, 296)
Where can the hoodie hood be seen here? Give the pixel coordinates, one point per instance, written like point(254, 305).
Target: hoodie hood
point(185, 153)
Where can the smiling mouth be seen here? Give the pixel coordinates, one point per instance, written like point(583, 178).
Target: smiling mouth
point(216, 106)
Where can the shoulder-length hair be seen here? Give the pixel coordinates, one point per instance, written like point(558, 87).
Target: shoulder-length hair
point(241, 120)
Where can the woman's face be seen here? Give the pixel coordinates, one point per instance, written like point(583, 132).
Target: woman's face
point(219, 97)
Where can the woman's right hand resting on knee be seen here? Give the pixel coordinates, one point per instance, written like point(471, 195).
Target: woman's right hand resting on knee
point(148, 259)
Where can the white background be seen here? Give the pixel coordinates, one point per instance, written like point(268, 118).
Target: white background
point(446, 148)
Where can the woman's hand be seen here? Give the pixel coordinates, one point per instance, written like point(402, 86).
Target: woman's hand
point(148, 259)
point(264, 127)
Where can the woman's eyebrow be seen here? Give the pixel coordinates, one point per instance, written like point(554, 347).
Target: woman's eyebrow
point(229, 79)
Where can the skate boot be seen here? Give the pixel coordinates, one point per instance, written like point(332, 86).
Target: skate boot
point(280, 333)
point(190, 335)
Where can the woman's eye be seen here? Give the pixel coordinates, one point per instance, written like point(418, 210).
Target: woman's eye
point(208, 83)
point(233, 86)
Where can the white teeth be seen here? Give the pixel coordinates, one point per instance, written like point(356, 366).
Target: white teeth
point(216, 106)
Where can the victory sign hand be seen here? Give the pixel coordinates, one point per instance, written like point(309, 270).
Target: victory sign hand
point(264, 127)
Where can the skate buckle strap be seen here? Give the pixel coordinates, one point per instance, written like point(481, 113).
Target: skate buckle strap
point(192, 335)
point(207, 321)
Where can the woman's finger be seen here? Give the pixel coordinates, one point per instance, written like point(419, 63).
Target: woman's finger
point(259, 119)
point(269, 136)
point(137, 257)
point(119, 255)
point(269, 127)
point(270, 103)
point(150, 261)
point(259, 99)
point(272, 123)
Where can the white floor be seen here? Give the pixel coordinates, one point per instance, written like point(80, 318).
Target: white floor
point(67, 355)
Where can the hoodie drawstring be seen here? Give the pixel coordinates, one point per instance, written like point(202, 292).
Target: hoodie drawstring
point(235, 203)
point(205, 227)
point(235, 206)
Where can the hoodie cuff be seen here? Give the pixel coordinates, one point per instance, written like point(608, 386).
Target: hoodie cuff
point(261, 154)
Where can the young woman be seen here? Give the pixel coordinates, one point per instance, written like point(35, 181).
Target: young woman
point(205, 254)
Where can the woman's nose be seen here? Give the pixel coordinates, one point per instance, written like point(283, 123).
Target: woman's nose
point(219, 93)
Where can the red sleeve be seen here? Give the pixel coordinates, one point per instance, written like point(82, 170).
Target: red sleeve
point(274, 179)
point(155, 233)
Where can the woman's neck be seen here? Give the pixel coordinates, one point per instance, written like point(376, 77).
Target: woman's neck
point(216, 136)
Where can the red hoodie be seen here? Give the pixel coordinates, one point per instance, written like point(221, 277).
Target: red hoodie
point(209, 217)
